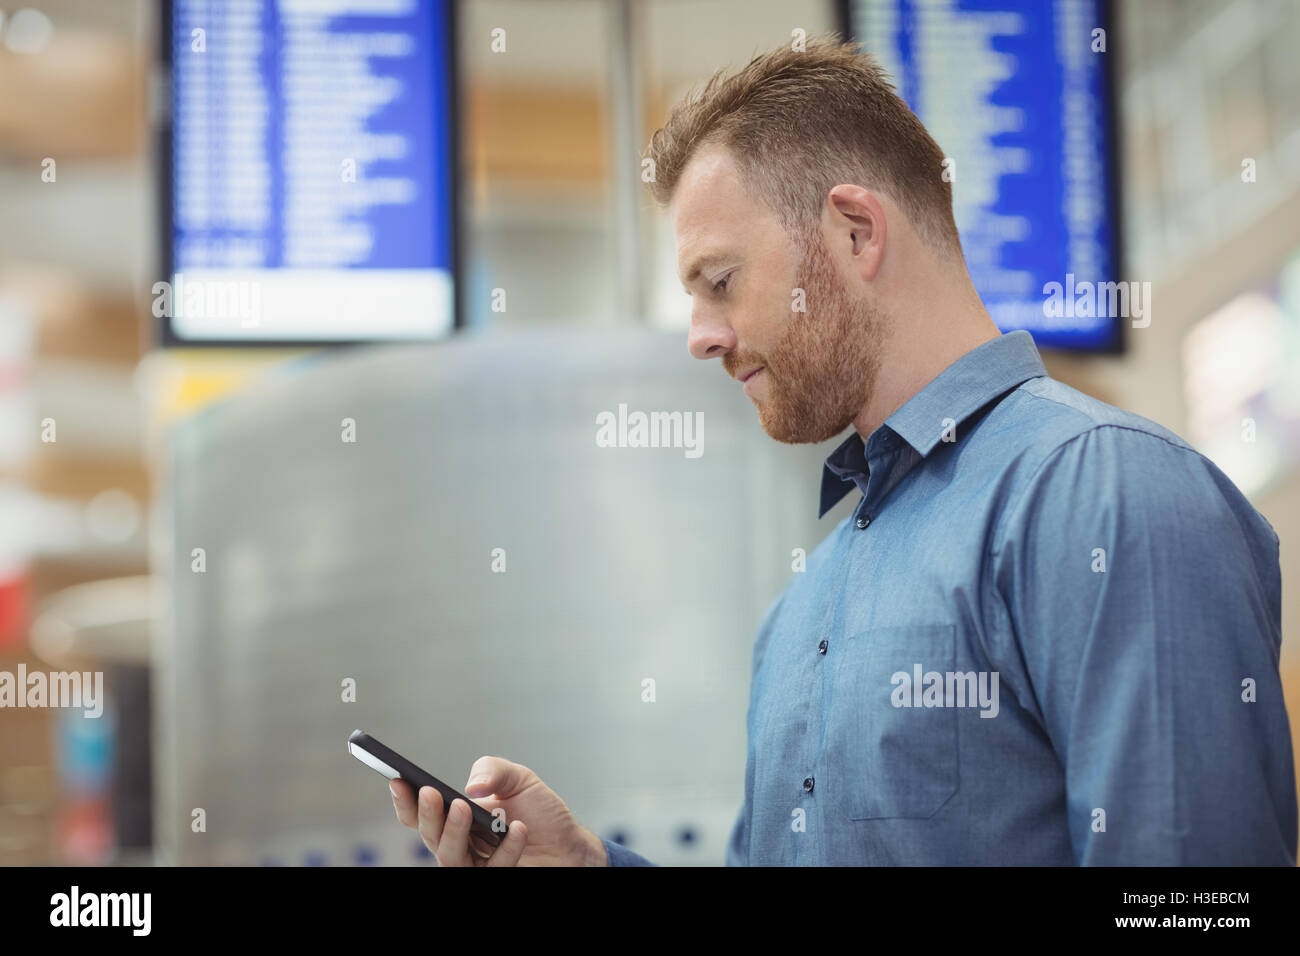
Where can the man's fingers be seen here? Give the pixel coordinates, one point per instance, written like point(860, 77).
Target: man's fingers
point(430, 818)
point(453, 848)
point(512, 846)
point(403, 802)
point(448, 835)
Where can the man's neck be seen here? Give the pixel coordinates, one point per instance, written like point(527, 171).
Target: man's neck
point(911, 362)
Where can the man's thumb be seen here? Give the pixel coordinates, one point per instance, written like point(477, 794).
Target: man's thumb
point(492, 775)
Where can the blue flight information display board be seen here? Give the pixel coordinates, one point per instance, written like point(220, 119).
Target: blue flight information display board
point(312, 159)
point(1017, 94)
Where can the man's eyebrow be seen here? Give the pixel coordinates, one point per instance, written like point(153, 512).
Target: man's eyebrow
point(698, 265)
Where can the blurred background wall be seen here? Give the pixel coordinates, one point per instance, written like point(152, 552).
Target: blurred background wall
point(1208, 93)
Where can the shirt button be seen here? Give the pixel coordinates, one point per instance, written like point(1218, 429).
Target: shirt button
point(821, 648)
point(808, 784)
point(863, 521)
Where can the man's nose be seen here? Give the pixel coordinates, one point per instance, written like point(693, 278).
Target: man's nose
point(709, 337)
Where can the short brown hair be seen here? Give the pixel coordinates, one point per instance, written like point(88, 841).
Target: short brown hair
point(799, 123)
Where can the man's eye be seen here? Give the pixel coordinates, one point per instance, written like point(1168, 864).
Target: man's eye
point(721, 284)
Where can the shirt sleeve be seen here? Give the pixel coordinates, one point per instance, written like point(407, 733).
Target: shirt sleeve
point(738, 843)
point(620, 855)
point(1144, 597)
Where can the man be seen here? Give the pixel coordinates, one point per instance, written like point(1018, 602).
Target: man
point(1049, 632)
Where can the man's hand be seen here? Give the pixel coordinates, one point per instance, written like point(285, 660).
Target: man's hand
point(551, 837)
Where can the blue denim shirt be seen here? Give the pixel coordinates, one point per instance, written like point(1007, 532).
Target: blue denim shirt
point(1048, 635)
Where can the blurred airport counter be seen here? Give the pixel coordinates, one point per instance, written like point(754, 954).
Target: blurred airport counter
point(74, 491)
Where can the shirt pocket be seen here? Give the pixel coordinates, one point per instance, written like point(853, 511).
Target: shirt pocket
point(882, 761)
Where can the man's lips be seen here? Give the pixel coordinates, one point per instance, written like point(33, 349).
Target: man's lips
point(750, 374)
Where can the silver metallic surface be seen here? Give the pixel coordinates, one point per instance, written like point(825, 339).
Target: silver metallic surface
point(373, 561)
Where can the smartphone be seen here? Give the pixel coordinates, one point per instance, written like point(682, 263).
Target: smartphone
point(393, 766)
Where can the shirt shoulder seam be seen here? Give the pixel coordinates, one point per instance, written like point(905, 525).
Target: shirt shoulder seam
point(1008, 513)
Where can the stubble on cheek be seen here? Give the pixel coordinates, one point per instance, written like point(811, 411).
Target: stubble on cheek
point(824, 367)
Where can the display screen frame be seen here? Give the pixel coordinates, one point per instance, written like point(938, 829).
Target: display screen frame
point(166, 335)
point(1116, 341)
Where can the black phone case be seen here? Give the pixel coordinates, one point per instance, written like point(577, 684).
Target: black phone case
point(481, 819)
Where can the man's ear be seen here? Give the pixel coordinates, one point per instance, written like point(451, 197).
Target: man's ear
point(858, 215)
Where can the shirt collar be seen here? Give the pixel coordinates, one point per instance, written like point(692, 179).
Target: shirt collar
point(986, 372)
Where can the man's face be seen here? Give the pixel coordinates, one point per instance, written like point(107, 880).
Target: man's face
point(817, 367)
